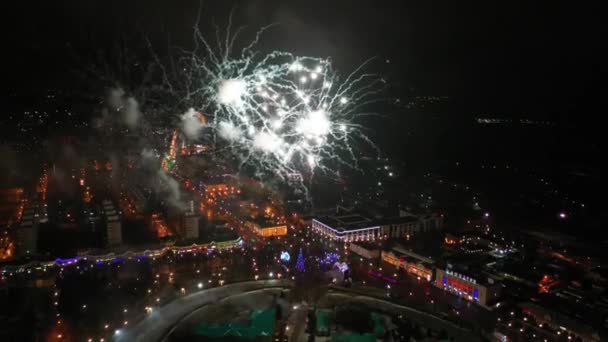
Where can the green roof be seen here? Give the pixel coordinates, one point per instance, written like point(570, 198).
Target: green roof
point(262, 324)
point(379, 329)
point(322, 321)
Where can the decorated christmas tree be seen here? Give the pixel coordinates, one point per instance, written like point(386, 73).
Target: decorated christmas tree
point(300, 261)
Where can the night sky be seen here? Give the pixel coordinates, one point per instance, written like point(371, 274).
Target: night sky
point(515, 52)
point(539, 60)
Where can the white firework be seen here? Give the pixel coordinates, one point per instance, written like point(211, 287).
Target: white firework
point(279, 113)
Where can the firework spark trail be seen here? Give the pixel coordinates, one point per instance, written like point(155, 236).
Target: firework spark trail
point(282, 114)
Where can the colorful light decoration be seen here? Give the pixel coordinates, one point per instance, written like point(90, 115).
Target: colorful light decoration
point(285, 257)
point(300, 261)
point(330, 257)
point(341, 266)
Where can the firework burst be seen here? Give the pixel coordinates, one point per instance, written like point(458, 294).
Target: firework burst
point(278, 113)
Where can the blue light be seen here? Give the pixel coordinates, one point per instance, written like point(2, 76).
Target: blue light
point(67, 261)
point(445, 280)
point(330, 257)
point(476, 294)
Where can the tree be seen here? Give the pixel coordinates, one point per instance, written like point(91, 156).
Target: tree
point(300, 261)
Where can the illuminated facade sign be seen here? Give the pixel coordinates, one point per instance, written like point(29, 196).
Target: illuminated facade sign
point(466, 286)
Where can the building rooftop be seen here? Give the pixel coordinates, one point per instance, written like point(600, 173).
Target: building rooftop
point(347, 222)
point(400, 250)
point(264, 223)
point(471, 272)
point(399, 220)
point(367, 245)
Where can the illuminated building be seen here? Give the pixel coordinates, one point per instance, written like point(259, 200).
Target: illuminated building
point(11, 206)
point(189, 226)
point(347, 228)
point(422, 270)
point(158, 224)
point(113, 224)
point(393, 259)
point(410, 262)
point(483, 292)
point(169, 161)
point(477, 242)
point(266, 229)
point(399, 227)
point(215, 187)
point(356, 227)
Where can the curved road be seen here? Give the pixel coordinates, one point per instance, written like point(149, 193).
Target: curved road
point(155, 326)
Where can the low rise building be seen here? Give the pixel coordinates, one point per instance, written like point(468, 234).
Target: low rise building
point(475, 288)
point(412, 263)
point(113, 224)
point(400, 227)
point(264, 228)
point(365, 249)
point(114, 230)
point(394, 259)
point(352, 227)
point(347, 228)
point(190, 226)
point(421, 270)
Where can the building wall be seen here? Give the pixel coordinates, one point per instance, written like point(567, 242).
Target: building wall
point(364, 252)
point(190, 227)
point(114, 232)
point(273, 231)
point(363, 234)
point(431, 222)
point(267, 231)
point(419, 270)
point(390, 230)
point(401, 230)
point(468, 289)
point(393, 259)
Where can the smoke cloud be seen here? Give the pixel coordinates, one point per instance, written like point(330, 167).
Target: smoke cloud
point(191, 124)
point(172, 187)
point(131, 112)
point(125, 107)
